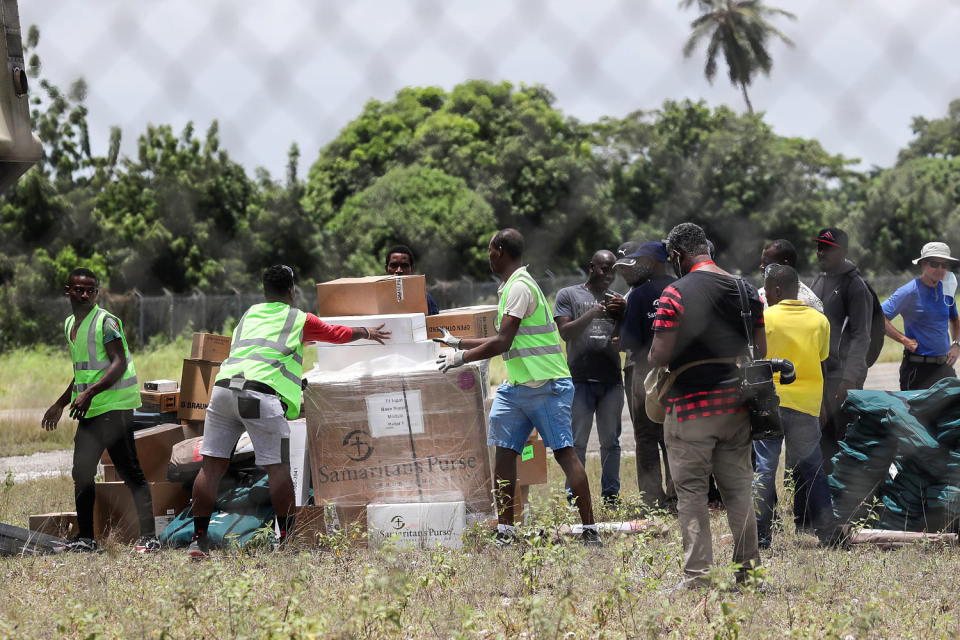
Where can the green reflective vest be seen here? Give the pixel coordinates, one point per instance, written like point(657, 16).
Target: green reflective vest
point(267, 347)
point(90, 360)
point(536, 352)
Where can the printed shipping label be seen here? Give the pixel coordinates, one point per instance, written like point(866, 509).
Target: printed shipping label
point(399, 290)
point(527, 453)
point(394, 414)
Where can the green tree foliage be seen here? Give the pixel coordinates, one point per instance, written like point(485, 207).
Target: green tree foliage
point(730, 173)
point(446, 223)
point(738, 29)
point(532, 165)
point(177, 216)
point(938, 138)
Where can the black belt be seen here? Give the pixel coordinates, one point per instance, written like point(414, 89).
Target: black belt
point(249, 385)
point(912, 357)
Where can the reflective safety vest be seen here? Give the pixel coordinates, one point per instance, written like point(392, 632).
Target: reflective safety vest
point(536, 352)
point(90, 360)
point(267, 347)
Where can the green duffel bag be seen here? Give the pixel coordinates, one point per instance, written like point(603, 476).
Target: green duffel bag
point(237, 516)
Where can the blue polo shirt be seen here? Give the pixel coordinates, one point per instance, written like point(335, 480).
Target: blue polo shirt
point(926, 315)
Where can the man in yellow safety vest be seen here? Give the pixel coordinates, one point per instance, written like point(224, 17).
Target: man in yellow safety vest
point(539, 392)
point(258, 388)
point(102, 396)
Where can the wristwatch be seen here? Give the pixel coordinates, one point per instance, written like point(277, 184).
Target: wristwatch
point(955, 342)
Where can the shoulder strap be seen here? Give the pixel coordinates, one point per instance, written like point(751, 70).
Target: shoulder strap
point(746, 314)
point(673, 375)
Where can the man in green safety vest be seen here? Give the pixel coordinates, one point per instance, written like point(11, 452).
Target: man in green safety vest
point(102, 396)
point(539, 392)
point(258, 388)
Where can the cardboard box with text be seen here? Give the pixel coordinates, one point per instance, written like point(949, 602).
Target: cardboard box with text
point(372, 295)
point(159, 401)
point(210, 347)
point(465, 322)
point(400, 436)
point(196, 383)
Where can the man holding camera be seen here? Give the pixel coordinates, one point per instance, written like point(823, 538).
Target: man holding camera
point(707, 426)
point(587, 316)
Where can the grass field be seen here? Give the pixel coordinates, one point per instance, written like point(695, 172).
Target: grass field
point(554, 590)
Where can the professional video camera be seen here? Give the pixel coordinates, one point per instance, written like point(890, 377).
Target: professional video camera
point(758, 390)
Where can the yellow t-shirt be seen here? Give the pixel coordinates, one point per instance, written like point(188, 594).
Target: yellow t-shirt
point(800, 334)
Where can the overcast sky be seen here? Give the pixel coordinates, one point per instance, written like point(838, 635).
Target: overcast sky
point(284, 71)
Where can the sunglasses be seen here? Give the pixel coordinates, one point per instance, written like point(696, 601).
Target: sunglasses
point(938, 264)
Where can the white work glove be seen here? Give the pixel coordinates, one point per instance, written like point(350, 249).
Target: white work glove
point(448, 361)
point(448, 339)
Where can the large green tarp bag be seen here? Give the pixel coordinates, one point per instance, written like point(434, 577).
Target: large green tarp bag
point(238, 514)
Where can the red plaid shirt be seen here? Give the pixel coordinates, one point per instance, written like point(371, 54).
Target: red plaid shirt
point(700, 403)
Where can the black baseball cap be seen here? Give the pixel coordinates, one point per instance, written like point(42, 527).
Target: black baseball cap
point(833, 237)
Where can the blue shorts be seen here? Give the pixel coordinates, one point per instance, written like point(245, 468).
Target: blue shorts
point(517, 410)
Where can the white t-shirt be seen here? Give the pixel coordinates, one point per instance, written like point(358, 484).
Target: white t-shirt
point(520, 303)
point(805, 295)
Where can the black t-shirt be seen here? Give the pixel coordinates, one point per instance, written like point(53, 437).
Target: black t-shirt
point(636, 333)
point(704, 308)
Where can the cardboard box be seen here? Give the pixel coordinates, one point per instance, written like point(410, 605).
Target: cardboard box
point(110, 473)
point(210, 347)
point(416, 525)
point(372, 295)
point(532, 462)
point(114, 513)
point(191, 428)
point(464, 322)
point(153, 450)
point(299, 461)
point(159, 401)
point(61, 525)
point(362, 355)
point(163, 386)
point(399, 436)
point(403, 327)
point(196, 383)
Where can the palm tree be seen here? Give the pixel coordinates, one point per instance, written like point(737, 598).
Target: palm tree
point(740, 29)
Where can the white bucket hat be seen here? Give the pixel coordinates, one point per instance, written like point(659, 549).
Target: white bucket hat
point(935, 250)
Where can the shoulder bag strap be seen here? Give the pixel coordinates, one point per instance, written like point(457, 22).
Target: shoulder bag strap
point(672, 375)
point(746, 314)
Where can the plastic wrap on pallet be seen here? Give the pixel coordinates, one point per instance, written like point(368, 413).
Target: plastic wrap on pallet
point(406, 433)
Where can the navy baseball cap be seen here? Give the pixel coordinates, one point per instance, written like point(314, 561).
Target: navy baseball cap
point(654, 250)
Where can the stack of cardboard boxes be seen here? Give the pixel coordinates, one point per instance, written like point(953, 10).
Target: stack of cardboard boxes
point(395, 444)
point(197, 377)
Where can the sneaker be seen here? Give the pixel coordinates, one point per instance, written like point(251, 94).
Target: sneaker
point(199, 548)
point(501, 539)
point(590, 538)
point(147, 544)
point(81, 545)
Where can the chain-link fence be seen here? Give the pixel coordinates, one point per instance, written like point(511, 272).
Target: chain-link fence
point(148, 317)
point(855, 78)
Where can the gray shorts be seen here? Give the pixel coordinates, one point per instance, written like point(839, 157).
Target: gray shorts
point(261, 415)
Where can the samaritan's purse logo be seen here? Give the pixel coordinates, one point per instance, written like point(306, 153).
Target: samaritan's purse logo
point(357, 440)
point(398, 522)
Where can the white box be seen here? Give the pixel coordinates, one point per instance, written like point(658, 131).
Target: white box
point(299, 461)
point(161, 385)
point(404, 327)
point(360, 355)
point(416, 524)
